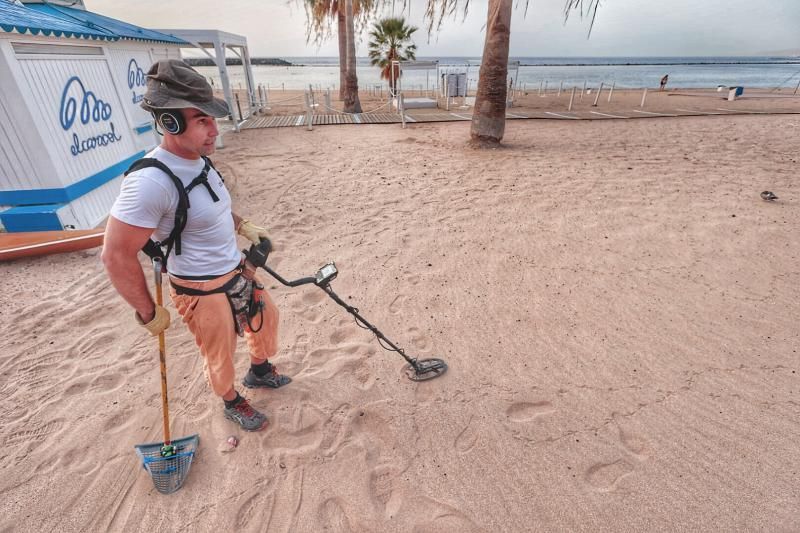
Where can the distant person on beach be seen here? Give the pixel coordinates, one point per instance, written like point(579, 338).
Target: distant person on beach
point(664, 82)
point(215, 291)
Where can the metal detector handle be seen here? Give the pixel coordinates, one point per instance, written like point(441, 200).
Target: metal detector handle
point(258, 253)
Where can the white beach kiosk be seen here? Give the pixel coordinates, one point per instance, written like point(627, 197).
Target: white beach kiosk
point(70, 122)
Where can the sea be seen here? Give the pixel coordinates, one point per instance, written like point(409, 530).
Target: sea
point(775, 73)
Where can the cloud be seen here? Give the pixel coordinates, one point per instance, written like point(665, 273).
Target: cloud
point(276, 28)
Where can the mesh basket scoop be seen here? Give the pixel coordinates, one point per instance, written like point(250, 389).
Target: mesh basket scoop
point(169, 472)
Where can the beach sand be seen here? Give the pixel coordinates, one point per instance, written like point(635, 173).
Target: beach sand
point(618, 307)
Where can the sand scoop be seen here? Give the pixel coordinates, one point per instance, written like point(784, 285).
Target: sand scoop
point(168, 462)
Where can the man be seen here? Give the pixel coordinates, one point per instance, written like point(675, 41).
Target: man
point(214, 290)
point(664, 81)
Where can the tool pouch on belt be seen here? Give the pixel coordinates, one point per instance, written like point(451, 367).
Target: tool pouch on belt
point(246, 302)
point(244, 296)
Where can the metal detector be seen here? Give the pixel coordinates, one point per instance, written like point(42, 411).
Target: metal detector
point(416, 370)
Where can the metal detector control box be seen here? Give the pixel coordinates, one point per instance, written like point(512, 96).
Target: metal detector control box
point(326, 274)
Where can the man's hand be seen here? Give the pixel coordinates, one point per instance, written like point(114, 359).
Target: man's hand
point(158, 323)
point(251, 232)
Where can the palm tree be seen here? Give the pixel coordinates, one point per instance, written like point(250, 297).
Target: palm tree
point(319, 14)
point(390, 40)
point(489, 117)
point(351, 102)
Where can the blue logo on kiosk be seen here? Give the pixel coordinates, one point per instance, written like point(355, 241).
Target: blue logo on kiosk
point(136, 78)
point(79, 104)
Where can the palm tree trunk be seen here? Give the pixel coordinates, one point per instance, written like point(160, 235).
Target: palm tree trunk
point(351, 101)
point(489, 118)
point(341, 21)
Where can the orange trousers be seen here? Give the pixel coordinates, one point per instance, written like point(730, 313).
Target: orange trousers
point(210, 320)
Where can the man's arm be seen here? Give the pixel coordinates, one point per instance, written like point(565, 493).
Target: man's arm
point(120, 249)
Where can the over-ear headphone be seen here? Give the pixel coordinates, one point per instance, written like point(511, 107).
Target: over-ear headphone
point(170, 120)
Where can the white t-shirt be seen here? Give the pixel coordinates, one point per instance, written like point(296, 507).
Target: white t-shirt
point(148, 199)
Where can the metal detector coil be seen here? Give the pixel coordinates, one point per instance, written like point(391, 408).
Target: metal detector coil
point(425, 369)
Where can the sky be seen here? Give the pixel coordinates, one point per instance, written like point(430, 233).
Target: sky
point(276, 28)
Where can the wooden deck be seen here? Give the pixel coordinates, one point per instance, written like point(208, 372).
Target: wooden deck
point(441, 115)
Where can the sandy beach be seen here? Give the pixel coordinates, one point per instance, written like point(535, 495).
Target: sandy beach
point(618, 308)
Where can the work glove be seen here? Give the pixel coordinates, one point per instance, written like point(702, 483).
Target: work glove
point(251, 232)
point(159, 323)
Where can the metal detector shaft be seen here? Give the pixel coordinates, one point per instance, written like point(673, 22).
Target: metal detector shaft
point(350, 309)
point(295, 283)
point(353, 311)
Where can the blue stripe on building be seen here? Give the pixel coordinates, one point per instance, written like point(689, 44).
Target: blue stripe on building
point(71, 192)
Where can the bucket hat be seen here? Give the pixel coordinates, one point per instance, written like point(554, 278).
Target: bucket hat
point(172, 84)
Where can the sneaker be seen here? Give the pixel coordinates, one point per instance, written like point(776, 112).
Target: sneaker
point(271, 379)
point(247, 417)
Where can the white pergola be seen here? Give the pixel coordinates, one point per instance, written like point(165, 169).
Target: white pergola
point(219, 42)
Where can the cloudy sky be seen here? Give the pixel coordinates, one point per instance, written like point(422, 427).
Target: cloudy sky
point(276, 28)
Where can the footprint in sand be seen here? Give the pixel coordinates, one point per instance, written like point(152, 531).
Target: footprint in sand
point(419, 339)
point(333, 516)
point(606, 477)
point(383, 489)
point(106, 383)
point(529, 411)
point(307, 311)
point(249, 510)
point(335, 429)
point(344, 334)
point(397, 304)
point(467, 439)
point(299, 348)
point(634, 444)
point(313, 297)
point(36, 435)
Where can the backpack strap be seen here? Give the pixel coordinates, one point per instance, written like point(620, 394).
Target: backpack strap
point(152, 248)
point(202, 179)
point(210, 164)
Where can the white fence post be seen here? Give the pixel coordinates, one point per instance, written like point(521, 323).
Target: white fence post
point(560, 88)
point(571, 98)
point(611, 92)
point(644, 97)
point(309, 112)
point(597, 97)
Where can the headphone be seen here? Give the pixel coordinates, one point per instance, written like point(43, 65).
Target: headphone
point(170, 120)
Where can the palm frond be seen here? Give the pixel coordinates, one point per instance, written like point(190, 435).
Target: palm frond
point(584, 8)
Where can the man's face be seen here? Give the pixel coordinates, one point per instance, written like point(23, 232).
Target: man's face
point(201, 132)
